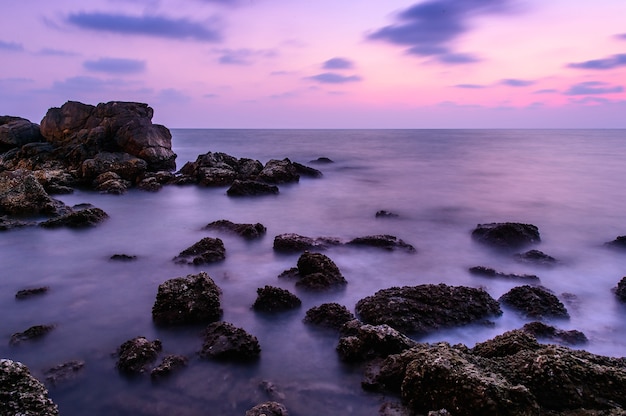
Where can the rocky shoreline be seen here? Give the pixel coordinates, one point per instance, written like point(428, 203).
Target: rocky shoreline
point(114, 146)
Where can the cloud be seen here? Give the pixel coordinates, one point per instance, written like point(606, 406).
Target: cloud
point(546, 91)
point(601, 64)
point(11, 46)
point(469, 86)
point(338, 63)
point(621, 36)
point(428, 28)
point(55, 52)
point(243, 56)
point(511, 82)
point(116, 65)
point(157, 26)
point(333, 78)
point(593, 88)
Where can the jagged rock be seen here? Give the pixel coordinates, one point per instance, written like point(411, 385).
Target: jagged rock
point(275, 299)
point(125, 166)
point(361, 342)
point(135, 354)
point(27, 293)
point(22, 194)
point(489, 272)
point(548, 332)
point(7, 223)
point(249, 231)
point(278, 171)
point(207, 250)
point(620, 290)
point(534, 302)
point(536, 257)
point(224, 341)
point(220, 169)
point(317, 271)
point(56, 181)
point(251, 188)
point(425, 308)
point(16, 132)
point(387, 242)
point(508, 235)
point(169, 364)
point(34, 332)
point(83, 218)
point(187, 300)
point(304, 170)
point(386, 214)
point(268, 409)
point(63, 372)
point(21, 393)
point(329, 315)
point(111, 183)
point(296, 243)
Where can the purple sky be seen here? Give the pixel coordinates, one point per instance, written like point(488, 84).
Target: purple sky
point(323, 64)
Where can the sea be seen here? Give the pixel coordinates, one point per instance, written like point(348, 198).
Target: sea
point(440, 183)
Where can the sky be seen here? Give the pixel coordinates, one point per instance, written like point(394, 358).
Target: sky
point(322, 63)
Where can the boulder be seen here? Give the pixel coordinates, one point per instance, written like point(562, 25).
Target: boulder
point(63, 372)
point(274, 299)
point(21, 194)
point(169, 364)
point(620, 289)
point(187, 300)
point(491, 273)
point(534, 302)
point(278, 171)
point(248, 231)
point(317, 271)
point(251, 188)
point(16, 132)
point(291, 242)
point(362, 342)
point(207, 250)
point(224, 341)
point(136, 354)
point(21, 393)
point(547, 332)
point(88, 217)
point(328, 315)
point(536, 257)
point(424, 308)
point(34, 332)
point(508, 235)
point(386, 242)
point(268, 409)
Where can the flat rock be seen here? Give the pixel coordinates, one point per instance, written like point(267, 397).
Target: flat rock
point(536, 257)
point(492, 273)
point(534, 302)
point(507, 235)
point(28, 293)
point(384, 241)
point(207, 250)
point(63, 372)
point(248, 231)
point(224, 341)
point(21, 393)
point(274, 299)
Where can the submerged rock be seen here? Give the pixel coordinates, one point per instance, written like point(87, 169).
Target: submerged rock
point(387, 242)
point(63, 372)
point(304, 170)
point(34, 332)
point(328, 315)
point(489, 272)
point(425, 308)
point(169, 364)
point(224, 341)
point(386, 214)
point(123, 257)
point(508, 235)
point(291, 242)
point(207, 250)
point(135, 354)
point(249, 231)
point(251, 188)
point(618, 243)
point(27, 293)
point(620, 289)
point(275, 299)
point(548, 332)
point(316, 271)
point(21, 393)
point(83, 218)
point(536, 257)
point(534, 302)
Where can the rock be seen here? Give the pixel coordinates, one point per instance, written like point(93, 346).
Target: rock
point(89, 217)
point(534, 302)
point(135, 354)
point(386, 214)
point(620, 290)
point(425, 308)
point(224, 341)
point(249, 231)
point(21, 194)
point(489, 272)
point(63, 372)
point(7, 223)
point(21, 393)
point(34, 332)
point(506, 345)
point(268, 409)
point(187, 300)
point(56, 181)
point(318, 272)
point(125, 166)
point(274, 299)
point(387, 242)
point(278, 171)
point(618, 243)
point(296, 243)
point(220, 169)
point(169, 364)
point(536, 257)
point(307, 170)
point(16, 132)
point(323, 160)
point(251, 188)
point(365, 342)
point(28, 293)
point(508, 235)
point(328, 315)
point(207, 250)
point(543, 331)
point(123, 257)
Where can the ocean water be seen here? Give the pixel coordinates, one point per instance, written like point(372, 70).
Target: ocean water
point(441, 183)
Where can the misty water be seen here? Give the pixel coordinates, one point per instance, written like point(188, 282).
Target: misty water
point(441, 183)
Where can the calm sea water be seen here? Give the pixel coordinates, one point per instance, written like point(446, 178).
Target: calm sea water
point(440, 182)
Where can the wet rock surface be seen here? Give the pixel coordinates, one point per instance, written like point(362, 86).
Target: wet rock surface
point(28, 293)
point(507, 235)
point(547, 332)
point(136, 354)
point(536, 257)
point(424, 308)
point(620, 290)
point(534, 302)
point(224, 341)
point(268, 409)
point(362, 342)
point(384, 241)
point(274, 299)
point(291, 242)
point(170, 364)
point(21, 393)
point(33, 333)
point(83, 218)
point(328, 315)
point(64, 372)
point(251, 188)
point(316, 272)
point(207, 250)
point(492, 273)
point(248, 231)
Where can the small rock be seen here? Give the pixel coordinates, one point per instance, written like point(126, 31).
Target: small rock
point(619, 242)
point(63, 372)
point(534, 302)
point(135, 354)
point(207, 250)
point(307, 171)
point(268, 409)
point(169, 364)
point(291, 242)
point(249, 231)
point(508, 235)
point(318, 272)
point(275, 299)
point(224, 341)
point(78, 219)
point(489, 272)
point(387, 242)
point(123, 257)
point(329, 315)
point(322, 160)
point(365, 342)
point(34, 332)
point(541, 330)
point(27, 293)
point(386, 214)
point(536, 257)
point(251, 188)
point(620, 289)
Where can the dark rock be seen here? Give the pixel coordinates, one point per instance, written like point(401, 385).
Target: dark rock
point(251, 188)
point(169, 364)
point(536, 257)
point(150, 184)
point(387, 242)
point(548, 332)
point(508, 235)
point(220, 169)
point(365, 342)
point(307, 170)
point(88, 217)
point(425, 308)
point(27, 293)
point(34, 332)
point(135, 354)
point(279, 171)
point(16, 132)
point(22, 194)
point(268, 409)
point(318, 272)
point(489, 272)
point(125, 166)
point(619, 242)
point(7, 223)
point(224, 341)
point(207, 250)
point(620, 289)
point(297, 243)
point(56, 181)
point(249, 231)
point(322, 160)
point(534, 302)
point(328, 315)
point(386, 214)
point(123, 257)
point(275, 299)
point(187, 300)
point(63, 372)
point(507, 344)
point(21, 393)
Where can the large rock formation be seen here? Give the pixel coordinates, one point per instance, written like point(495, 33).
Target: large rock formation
point(21, 393)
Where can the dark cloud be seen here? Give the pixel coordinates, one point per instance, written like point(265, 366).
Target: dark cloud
point(333, 78)
point(470, 86)
point(243, 56)
point(428, 28)
point(11, 46)
point(338, 63)
point(601, 64)
point(593, 88)
point(55, 52)
point(158, 26)
point(116, 65)
point(511, 82)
